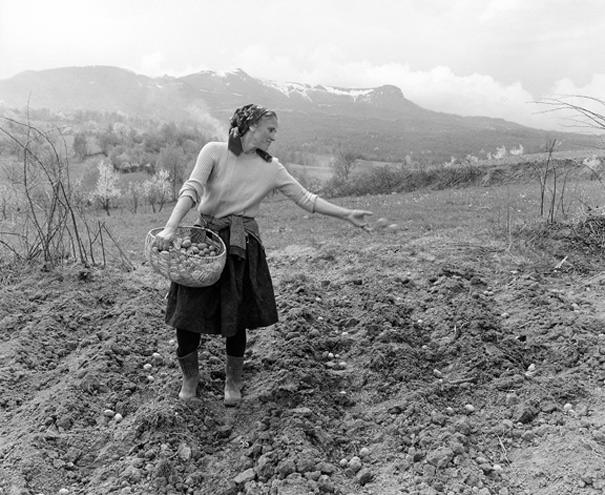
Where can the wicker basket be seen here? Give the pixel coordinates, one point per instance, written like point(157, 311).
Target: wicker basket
point(196, 258)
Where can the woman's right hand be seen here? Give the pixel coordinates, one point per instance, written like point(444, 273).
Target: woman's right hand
point(164, 239)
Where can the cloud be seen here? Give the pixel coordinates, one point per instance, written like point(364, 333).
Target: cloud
point(255, 56)
point(594, 88)
point(439, 89)
point(153, 64)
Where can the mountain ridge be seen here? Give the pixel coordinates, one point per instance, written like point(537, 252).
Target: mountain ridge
point(380, 122)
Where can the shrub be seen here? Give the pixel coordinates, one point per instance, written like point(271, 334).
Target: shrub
point(390, 179)
point(47, 212)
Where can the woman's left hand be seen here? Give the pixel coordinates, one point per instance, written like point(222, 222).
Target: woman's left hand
point(358, 218)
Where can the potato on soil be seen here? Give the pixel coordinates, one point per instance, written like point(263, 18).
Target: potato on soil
point(381, 223)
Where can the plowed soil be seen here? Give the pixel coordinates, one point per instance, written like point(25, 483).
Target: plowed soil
point(411, 360)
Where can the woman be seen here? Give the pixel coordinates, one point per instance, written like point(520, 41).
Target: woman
point(227, 185)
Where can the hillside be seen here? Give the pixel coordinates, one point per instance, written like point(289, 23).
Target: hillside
point(379, 123)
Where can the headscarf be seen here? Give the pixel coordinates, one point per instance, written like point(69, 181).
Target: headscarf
point(241, 121)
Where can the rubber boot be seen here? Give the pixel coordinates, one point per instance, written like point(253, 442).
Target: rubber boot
point(233, 380)
point(191, 375)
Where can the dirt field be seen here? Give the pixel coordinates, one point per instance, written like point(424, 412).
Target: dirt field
point(434, 357)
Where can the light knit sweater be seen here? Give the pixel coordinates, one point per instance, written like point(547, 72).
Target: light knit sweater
point(222, 184)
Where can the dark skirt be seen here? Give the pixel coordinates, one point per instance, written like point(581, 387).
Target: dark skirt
point(242, 298)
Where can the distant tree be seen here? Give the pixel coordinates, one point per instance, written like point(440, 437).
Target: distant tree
point(173, 159)
point(152, 142)
point(168, 133)
point(121, 130)
point(107, 140)
point(106, 189)
point(117, 155)
point(134, 194)
point(80, 145)
point(343, 164)
point(158, 190)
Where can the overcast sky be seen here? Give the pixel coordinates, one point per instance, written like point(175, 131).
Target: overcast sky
point(492, 58)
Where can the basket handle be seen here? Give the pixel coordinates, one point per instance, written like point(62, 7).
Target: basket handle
point(194, 231)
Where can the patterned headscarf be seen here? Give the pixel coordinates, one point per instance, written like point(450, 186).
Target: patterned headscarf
point(241, 121)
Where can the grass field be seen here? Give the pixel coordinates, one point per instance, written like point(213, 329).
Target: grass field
point(497, 210)
point(451, 213)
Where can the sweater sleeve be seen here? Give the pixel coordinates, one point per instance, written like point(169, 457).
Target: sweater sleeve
point(194, 186)
point(294, 190)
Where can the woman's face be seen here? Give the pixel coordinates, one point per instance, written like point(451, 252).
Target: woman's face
point(264, 132)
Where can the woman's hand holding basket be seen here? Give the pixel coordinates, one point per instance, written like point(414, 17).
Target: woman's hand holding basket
point(164, 239)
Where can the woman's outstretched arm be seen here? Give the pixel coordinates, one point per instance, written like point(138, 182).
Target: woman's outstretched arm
point(355, 217)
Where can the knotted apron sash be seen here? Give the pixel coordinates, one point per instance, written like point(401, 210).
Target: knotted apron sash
point(239, 227)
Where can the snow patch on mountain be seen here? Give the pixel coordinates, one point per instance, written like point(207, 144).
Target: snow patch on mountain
point(306, 90)
point(353, 93)
point(289, 89)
